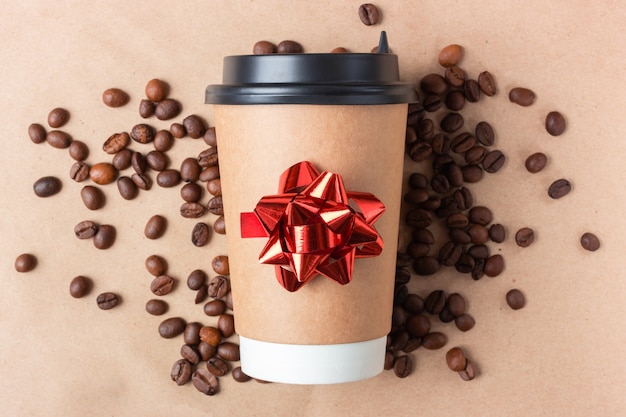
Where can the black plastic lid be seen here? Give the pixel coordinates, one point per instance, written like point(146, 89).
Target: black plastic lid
point(350, 78)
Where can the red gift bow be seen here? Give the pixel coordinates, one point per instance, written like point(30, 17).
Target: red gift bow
point(312, 228)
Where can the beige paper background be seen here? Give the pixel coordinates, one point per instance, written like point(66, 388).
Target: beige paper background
point(561, 355)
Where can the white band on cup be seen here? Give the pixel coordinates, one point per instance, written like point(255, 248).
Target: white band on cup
point(312, 364)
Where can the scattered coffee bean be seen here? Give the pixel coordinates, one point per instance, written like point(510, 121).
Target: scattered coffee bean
point(168, 178)
point(555, 123)
point(80, 286)
point(177, 130)
point(201, 294)
point(451, 122)
point(163, 140)
point(471, 89)
point(86, 229)
point(116, 142)
point(115, 97)
point(219, 226)
point(263, 48)
point(190, 170)
point(195, 126)
point(162, 285)
point(226, 326)
point(220, 265)
point(455, 359)
point(426, 265)
point(218, 286)
point(196, 279)
point(536, 162)
point(193, 211)
point(156, 90)
point(464, 322)
point(200, 234)
point(289, 47)
point(515, 299)
point(167, 109)
point(156, 265)
point(455, 100)
point(190, 354)
point(142, 181)
point(181, 372)
point(435, 302)
point(172, 327)
point(156, 307)
point(210, 335)
point(215, 308)
point(209, 137)
point(434, 84)
point(497, 233)
point(127, 188)
point(455, 76)
point(484, 133)
point(403, 366)
point(103, 173)
point(432, 103)
point(142, 133)
point(37, 133)
point(25, 262)
point(104, 237)
point(524, 237)
point(47, 186)
point(215, 205)
point(146, 108)
point(122, 159)
point(138, 162)
point(214, 187)
point(590, 242)
point(155, 227)
point(450, 55)
point(239, 375)
point(456, 304)
point(205, 382)
point(368, 13)
point(59, 139)
point(417, 325)
point(107, 300)
point(78, 150)
point(487, 83)
point(469, 373)
point(494, 265)
point(93, 198)
point(522, 96)
point(559, 188)
point(191, 334)
point(208, 157)
point(434, 340)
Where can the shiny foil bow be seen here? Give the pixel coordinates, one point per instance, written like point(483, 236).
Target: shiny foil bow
point(313, 228)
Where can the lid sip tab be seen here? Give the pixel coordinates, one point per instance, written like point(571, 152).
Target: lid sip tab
point(383, 45)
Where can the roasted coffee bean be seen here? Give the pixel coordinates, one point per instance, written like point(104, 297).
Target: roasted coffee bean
point(493, 161)
point(459, 236)
point(478, 270)
point(417, 325)
point(205, 382)
point(116, 142)
point(172, 327)
point(413, 304)
point(454, 174)
point(210, 173)
point(190, 170)
point(415, 113)
point(25, 262)
point(412, 344)
point(78, 150)
point(92, 197)
point(37, 133)
point(127, 188)
point(432, 204)
point(457, 221)
point(559, 188)
point(86, 229)
point(59, 139)
point(239, 375)
point(167, 109)
point(469, 372)
point(434, 84)
point(524, 237)
point(162, 285)
point(522, 96)
point(156, 265)
point(590, 242)
point(142, 181)
point(209, 137)
point(206, 351)
point(515, 299)
point(263, 48)
point(465, 264)
point(102, 173)
point(447, 207)
point(195, 126)
point(114, 97)
point(455, 100)
point(449, 254)
point(487, 83)
point(107, 300)
point(220, 265)
point(463, 198)
point(214, 187)
point(484, 133)
point(215, 205)
point(417, 250)
point(425, 130)
point(455, 359)
point(462, 142)
point(156, 307)
point(80, 286)
point(455, 76)
point(450, 55)
point(104, 237)
point(536, 162)
point(215, 308)
point(47, 186)
point(403, 366)
point(138, 162)
point(402, 276)
point(200, 234)
point(478, 251)
point(219, 226)
point(431, 103)
point(475, 155)
point(192, 211)
point(201, 294)
point(471, 89)
point(555, 123)
point(420, 151)
point(157, 160)
point(191, 192)
point(122, 159)
point(155, 227)
point(403, 260)
point(399, 340)
point(208, 157)
point(178, 130)
point(426, 265)
point(389, 360)
point(228, 351)
point(163, 140)
point(435, 301)
point(168, 178)
point(464, 322)
point(196, 279)
point(217, 366)
point(440, 184)
point(210, 335)
point(398, 317)
point(456, 304)
point(146, 108)
point(472, 173)
point(181, 372)
point(156, 90)
point(218, 286)
point(440, 144)
point(368, 13)
point(422, 235)
point(480, 215)
point(418, 218)
point(289, 47)
point(434, 340)
point(478, 233)
point(190, 354)
point(497, 233)
point(494, 265)
point(451, 122)
point(142, 133)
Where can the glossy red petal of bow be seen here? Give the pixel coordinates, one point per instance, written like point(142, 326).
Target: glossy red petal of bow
point(311, 227)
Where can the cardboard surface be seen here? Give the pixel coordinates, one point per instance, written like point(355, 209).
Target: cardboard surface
point(560, 355)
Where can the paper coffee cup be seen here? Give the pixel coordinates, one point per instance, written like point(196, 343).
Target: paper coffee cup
point(341, 113)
